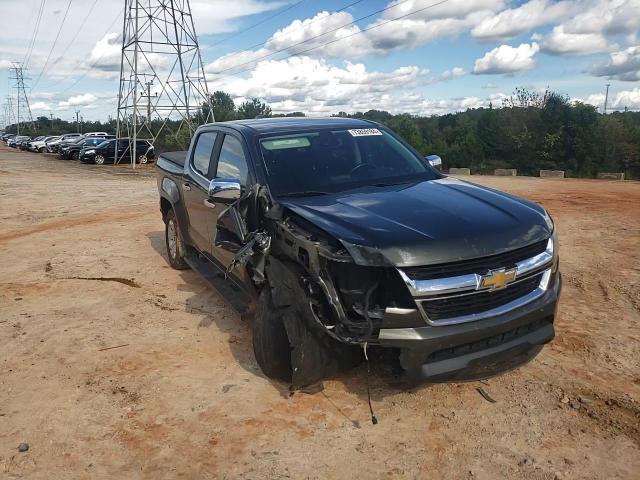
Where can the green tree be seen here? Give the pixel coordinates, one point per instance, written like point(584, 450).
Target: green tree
point(254, 108)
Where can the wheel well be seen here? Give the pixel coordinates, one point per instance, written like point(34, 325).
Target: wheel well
point(165, 207)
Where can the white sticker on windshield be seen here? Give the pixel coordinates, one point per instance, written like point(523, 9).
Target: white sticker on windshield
point(365, 132)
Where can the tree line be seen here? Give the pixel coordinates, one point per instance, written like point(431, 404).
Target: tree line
point(530, 131)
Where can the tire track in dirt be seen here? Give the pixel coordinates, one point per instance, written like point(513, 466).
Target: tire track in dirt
point(76, 221)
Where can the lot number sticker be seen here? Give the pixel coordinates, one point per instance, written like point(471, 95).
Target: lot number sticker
point(365, 132)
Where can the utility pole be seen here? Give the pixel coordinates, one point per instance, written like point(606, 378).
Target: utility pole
point(160, 46)
point(51, 116)
point(606, 99)
point(78, 120)
point(148, 96)
point(17, 71)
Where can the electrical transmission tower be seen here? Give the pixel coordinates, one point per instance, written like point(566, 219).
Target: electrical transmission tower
point(21, 103)
point(162, 81)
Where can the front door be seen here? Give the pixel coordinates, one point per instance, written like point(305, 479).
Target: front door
point(231, 164)
point(201, 212)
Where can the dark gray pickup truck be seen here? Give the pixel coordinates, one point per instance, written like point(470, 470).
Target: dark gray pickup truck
point(345, 239)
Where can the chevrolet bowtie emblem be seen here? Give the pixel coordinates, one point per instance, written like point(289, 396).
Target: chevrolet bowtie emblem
point(496, 279)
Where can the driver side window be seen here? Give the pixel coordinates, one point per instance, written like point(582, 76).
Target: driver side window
point(231, 162)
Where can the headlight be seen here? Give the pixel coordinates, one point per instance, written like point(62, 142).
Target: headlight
point(90, 152)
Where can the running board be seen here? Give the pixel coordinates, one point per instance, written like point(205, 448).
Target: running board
point(228, 290)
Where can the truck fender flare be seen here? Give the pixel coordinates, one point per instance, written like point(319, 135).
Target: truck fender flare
point(170, 191)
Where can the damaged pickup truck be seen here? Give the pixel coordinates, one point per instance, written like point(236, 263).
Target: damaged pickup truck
point(345, 239)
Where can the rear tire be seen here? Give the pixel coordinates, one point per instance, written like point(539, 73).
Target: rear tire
point(270, 342)
point(174, 243)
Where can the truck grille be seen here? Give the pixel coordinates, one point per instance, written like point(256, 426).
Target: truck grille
point(476, 265)
point(445, 307)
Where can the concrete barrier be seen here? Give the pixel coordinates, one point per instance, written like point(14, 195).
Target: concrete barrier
point(611, 176)
point(505, 172)
point(551, 173)
point(459, 171)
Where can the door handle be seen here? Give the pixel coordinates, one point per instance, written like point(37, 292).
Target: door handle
point(186, 186)
point(209, 203)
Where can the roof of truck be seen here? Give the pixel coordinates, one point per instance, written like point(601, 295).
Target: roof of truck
point(282, 124)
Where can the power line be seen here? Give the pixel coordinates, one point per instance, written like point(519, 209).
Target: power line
point(54, 43)
point(35, 33)
point(265, 20)
point(84, 22)
point(302, 28)
point(311, 38)
point(78, 80)
point(378, 25)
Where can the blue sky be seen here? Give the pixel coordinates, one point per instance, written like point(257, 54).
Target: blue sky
point(439, 57)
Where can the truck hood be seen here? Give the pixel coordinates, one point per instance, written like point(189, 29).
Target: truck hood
point(431, 222)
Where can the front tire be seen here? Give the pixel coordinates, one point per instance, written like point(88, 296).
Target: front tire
point(99, 160)
point(270, 341)
point(174, 243)
point(143, 159)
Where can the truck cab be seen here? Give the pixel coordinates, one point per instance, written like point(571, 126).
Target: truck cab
point(344, 238)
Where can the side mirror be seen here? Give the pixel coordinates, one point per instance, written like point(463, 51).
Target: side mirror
point(435, 161)
point(227, 188)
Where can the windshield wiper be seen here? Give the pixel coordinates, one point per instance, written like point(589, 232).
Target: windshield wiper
point(305, 193)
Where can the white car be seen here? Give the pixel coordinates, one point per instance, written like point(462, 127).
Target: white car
point(52, 145)
point(96, 134)
point(41, 145)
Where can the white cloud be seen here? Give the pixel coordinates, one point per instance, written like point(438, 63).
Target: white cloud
point(515, 21)
point(106, 53)
point(561, 42)
point(78, 100)
point(623, 65)
point(454, 72)
point(327, 27)
point(617, 101)
point(318, 88)
point(377, 38)
point(489, 85)
point(41, 106)
point(592, 28)
point(507, 59)
point(449, 19)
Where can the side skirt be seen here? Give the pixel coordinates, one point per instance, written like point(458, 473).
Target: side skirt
point(236, 297)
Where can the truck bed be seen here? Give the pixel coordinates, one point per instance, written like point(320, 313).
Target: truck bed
point(175, 157)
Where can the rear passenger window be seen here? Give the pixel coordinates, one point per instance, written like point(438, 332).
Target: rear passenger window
point(231, 163)
point(202, 153)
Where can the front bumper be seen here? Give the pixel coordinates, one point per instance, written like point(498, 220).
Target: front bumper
point(473, 350)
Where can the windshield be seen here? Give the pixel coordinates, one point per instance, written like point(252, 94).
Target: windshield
point(337, 160)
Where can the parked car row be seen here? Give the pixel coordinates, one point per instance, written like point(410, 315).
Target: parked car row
point(95, 147)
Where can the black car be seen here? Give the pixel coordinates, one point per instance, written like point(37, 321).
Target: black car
point(71, 151)
point(106, 152)
point(347, 239)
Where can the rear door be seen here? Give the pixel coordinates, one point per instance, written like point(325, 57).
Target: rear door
point(122, 152)
point(195, 187)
